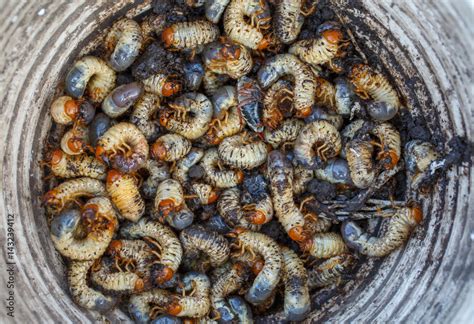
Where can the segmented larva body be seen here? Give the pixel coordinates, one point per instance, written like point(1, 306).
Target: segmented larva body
point(169, 197)
point(143, 110)
point(286, 133)
point(262, 212)
point(124, 40)
point(330, 271)
point(215, 9)
point(397, 232)
point(325, 245)
point(158, 171)
point(213, 81)
point(101, 224)
point(71, 166)
point(171, 251)
point(325, 94)
point(230, 209)
point(123, 190)
point(268, 278)
point(294, 276)
point(127, 139)
point(232, 126)
point(304, 80)
point(81, 293)
point(161, 85)
point(170, 147)
point(316, 225)
point(139, 304)
point(242, 32)
point(226, 284)
point(76, 140)
point(301, 176)
point(418, 157)
point(180, 172)
point(197, 305)
point(317, 51)
point(278, 103)
point(92, 73)
point(280, 173)
point(224, 99)
point(236, 152)
point(66, 110)
point(68, 191)
point(324, 137)
point(125, 281)
point(336, 171)
point(390, 142)
point(197, 239)
point(370, 83)
point(216, 177)
point(198, 111)
point(228, 58)
point(288, 20)
point(205, 193)
point(190, 35)
point(359, 159)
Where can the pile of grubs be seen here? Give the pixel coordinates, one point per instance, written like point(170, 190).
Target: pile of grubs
point(218, 161)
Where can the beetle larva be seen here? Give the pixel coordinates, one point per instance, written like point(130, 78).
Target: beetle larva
point(215, 9)
point(71, 166)
point(289, 18)
point(280, 173)
point(268, 278)
point(302, 76)
point(100, 222)
point(190, 35)
point(232, 212)
point(139, 304)
point(180, 172)
point(66, 110)
point(319, 50)
point(237, 28)
point(324, 245)
point(128, 252)
point(286, 133)
point(197, 305)
point(216, 176)
point(190, 115)
point(226, 284)
point(325, 94)
point(81, 293)
point(205, 193)
point(123, 191)
point(161, 85)
point(241, 309)
point(419, 156)
point(397, 232)
point(359, 159)
point(92, 73)
point(314, 224)
point(68, 191)
point(330, 271)
point(169, 198)
point(99, 125)
point(301, 176)
point(76, 140)
point(125, 145)
point(294, 276)
point(323, 114)
point(321, 135)
point(242, 153)
point(170, 147)
point(277, 103)
point(213, 81)
point(171, 251)
point(124, 40)
point(389, 144)
point(226, 57)
point(143, 110)
point(180, 219)
point(157, 172)
point(121, 98)
point(336, 171)
point(249, 96)
point(370, 84)
point(232, 125)
point(193, 75)
point(197, 240)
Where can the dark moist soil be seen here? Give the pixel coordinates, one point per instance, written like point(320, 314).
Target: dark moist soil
point(157, 59)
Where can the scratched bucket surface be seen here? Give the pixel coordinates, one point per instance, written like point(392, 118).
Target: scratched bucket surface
point(426, 46)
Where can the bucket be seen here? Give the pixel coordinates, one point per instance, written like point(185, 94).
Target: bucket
point(426, 47)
